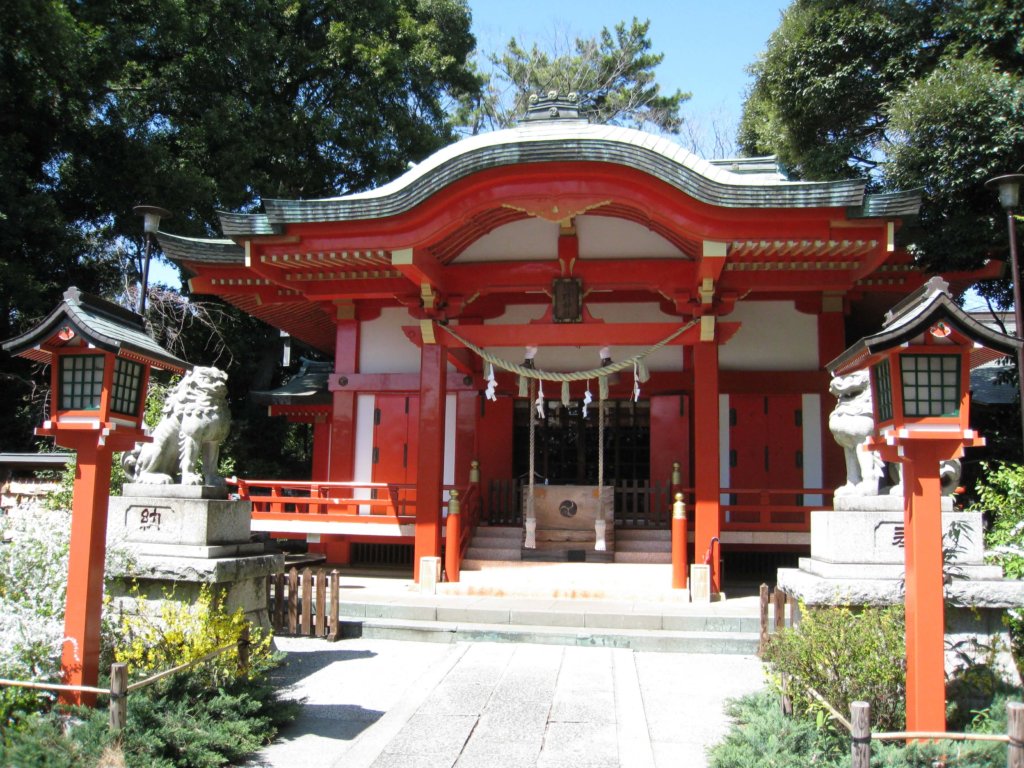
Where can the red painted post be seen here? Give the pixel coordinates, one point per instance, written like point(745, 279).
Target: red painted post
point(80, 657)
point(706, 461)
point(453, 539)
point(430, 459)
point(925, 605)
point(679, 564)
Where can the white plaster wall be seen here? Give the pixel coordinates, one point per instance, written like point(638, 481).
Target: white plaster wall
point(526, 240)
point(383, 348)
point(723, 449)
point(363, 464)
point(669, 358)
point(600, 237)
point(773, 336)
point(450, 406)
point(813, 467)
point(604, 237)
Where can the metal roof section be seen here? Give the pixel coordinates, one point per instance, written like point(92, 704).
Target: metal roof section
point(211, 251)
point(912, 317)
point(308, 387)
point(103, 325)
point(553, 132)
point(889, 204)
point(767, 166)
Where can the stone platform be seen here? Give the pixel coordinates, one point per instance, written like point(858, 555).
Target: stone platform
point(181, 538)
point(857, 560)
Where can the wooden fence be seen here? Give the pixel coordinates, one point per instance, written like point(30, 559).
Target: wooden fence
point(780, 602)
point(305, 602)
point(120, 688)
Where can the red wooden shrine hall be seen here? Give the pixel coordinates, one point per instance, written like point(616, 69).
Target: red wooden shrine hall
point(572, 238)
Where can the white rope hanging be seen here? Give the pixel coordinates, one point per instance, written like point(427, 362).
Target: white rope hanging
point(528, 371)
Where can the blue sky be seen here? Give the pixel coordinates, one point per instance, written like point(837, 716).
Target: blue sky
point(708, 44)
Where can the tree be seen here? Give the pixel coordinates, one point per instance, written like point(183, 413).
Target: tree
point(612, 73)
point(198, 105)
point(907, 93)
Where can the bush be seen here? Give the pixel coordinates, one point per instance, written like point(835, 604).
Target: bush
point(1001, 498)
point(762, 737)
point(845, 656)
point(153, 639)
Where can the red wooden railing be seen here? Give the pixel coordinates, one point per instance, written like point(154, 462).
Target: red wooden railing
point(771, 509)
point(289, 501)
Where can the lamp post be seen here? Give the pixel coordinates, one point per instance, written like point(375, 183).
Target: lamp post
point(151, 224)
point(100, 359)
point(919, 365)
point(1008, 187)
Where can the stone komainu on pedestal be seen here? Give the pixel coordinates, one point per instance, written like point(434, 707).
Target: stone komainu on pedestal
point(194, 422)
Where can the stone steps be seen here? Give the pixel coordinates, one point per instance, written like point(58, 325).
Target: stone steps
point(576, 623)
point(643, 545)
point(725, 643)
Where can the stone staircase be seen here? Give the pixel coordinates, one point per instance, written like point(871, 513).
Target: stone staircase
point(493, 544)
point(643, 545)
point(592, 604)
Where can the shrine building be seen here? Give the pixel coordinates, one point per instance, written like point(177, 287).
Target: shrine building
point(564, 247)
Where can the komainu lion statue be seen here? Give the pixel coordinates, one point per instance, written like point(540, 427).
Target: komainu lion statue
point(194, 422)
point(852, 423)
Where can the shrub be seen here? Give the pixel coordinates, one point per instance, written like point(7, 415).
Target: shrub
point(1001, 498)
point(845, 656)
point(152, 639)
point(762, 737)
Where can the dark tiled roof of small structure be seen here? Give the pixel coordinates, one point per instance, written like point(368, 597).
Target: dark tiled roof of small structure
point(103, 324)
point(307, 387)
point(915, 315)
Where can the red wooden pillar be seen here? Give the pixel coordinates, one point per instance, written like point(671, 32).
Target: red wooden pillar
point(341, 456)
point(84, 603)
point(707, 489)
point(430, 459)
point(321, 470)
point(925, 603)
point(467, 410)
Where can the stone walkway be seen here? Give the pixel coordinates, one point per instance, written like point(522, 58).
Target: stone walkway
point(382, 703)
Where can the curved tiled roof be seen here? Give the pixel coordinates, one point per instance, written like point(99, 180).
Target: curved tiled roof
point(562, 140)
point(211, 251)
point(103, 324)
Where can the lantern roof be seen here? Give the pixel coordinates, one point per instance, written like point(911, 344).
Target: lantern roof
point(100, 323)
point(917, 314)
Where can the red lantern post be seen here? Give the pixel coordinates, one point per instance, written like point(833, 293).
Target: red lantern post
point(100, 358)
point(920, 377)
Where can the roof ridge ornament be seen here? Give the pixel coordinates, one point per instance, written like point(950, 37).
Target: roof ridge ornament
point(553, 106)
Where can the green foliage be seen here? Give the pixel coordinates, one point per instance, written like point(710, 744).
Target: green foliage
point(906, 94)
point(1001, 498)
point(762, 737)
point(612, 73)
point(42, 741)
point(151, 639)
point(845, 656)
point(197, 105)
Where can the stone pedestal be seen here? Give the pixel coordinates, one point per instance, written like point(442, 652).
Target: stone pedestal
point(180, 538)
point(857, 559)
